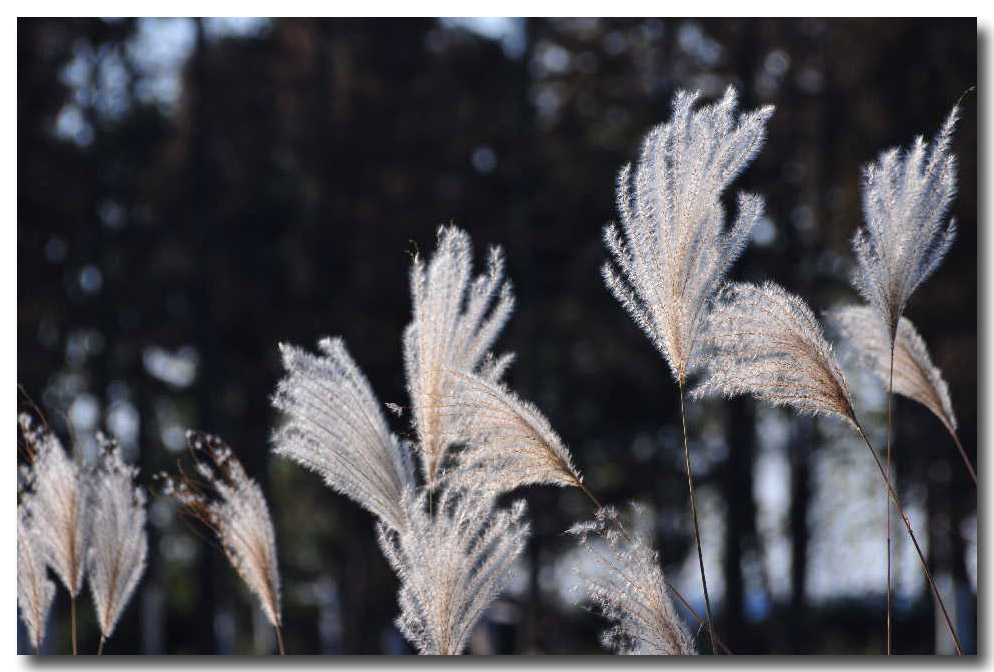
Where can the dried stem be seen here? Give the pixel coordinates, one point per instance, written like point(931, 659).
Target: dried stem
point(72, 622)
point(100, 647)
point(914, 539)
point(890, 430)
point(966, 460)
point(279, 640)
point(697, 528)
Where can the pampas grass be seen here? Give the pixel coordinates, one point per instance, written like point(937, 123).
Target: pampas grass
point(915, 376)
point(234, 508)
point(337, 429)
point(454, 324)
point(452, 563)
point(58, 503)
point(766, 342)
point(629, 589)
point(35, 591)
point(118, 543)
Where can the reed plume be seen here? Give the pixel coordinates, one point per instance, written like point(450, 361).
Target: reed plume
point(35, 591)
point(451, 565)
point(765, 342)
point(673, 249)
point(630, 590)
point(336, 428)
point(59, 507)
point(118, 544)
point(508, 443)
point(235, 509)
point(915, 376)
point(906, 194)
point(454, 324)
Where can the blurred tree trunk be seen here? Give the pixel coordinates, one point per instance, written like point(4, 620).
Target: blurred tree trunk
point(799, 453)
point(740, 519)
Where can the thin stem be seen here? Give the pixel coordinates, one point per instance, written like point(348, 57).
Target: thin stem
point(72, 622)
point(621, 528)
point(697, 528)
point(914, 539)
point(966, 460)
point(890, 429)
point(279, 640)
point(100, 647)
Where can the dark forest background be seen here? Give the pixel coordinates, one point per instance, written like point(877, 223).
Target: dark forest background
point(191, 193)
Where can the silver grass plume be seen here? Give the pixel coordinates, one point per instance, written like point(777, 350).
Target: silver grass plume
point(451, 565)
point(766, 342)
point(915, 376)
point(673, 249)
point(58, 505)
point(906, 194)
point(118, 543)
point(337, 429)
point(455, 320)
point(508, 442)
point(235, 510)
point(35, 591)
point(630, 590)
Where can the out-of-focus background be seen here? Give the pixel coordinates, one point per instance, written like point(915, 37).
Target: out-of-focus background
point(193, 192)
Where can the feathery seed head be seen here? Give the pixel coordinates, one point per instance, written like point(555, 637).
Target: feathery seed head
point(451, 565)
point(629, 590)
point(906, 195)
point(454, 323)
point(673, 249)
point(118, 543)
point(235, 509)
point(915, 376)
point(766, 342)
point(35, 591)
point(508, 443)
point(58, 504)
point(336, 428)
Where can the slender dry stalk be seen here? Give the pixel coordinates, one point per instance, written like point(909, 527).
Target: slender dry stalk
point(35, 591)
point(765, 342)
point(337, 429)
point(508, 442)
point(59, 508)
point(451, 565)
point(454, 324)
point(630, 591)
point(118, 543)
point(235, 509)
point(914, 374)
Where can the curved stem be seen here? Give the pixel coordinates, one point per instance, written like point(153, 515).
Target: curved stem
point(697, 528)
point(890, 429)
point(914, 539)
point(966, 460)
point(279, 640)
point(72, 622)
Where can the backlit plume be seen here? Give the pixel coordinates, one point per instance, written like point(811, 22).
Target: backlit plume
point(766, 342)
point(455, 321)
point(235, 509)
point(451, 565)
point(673, 248)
